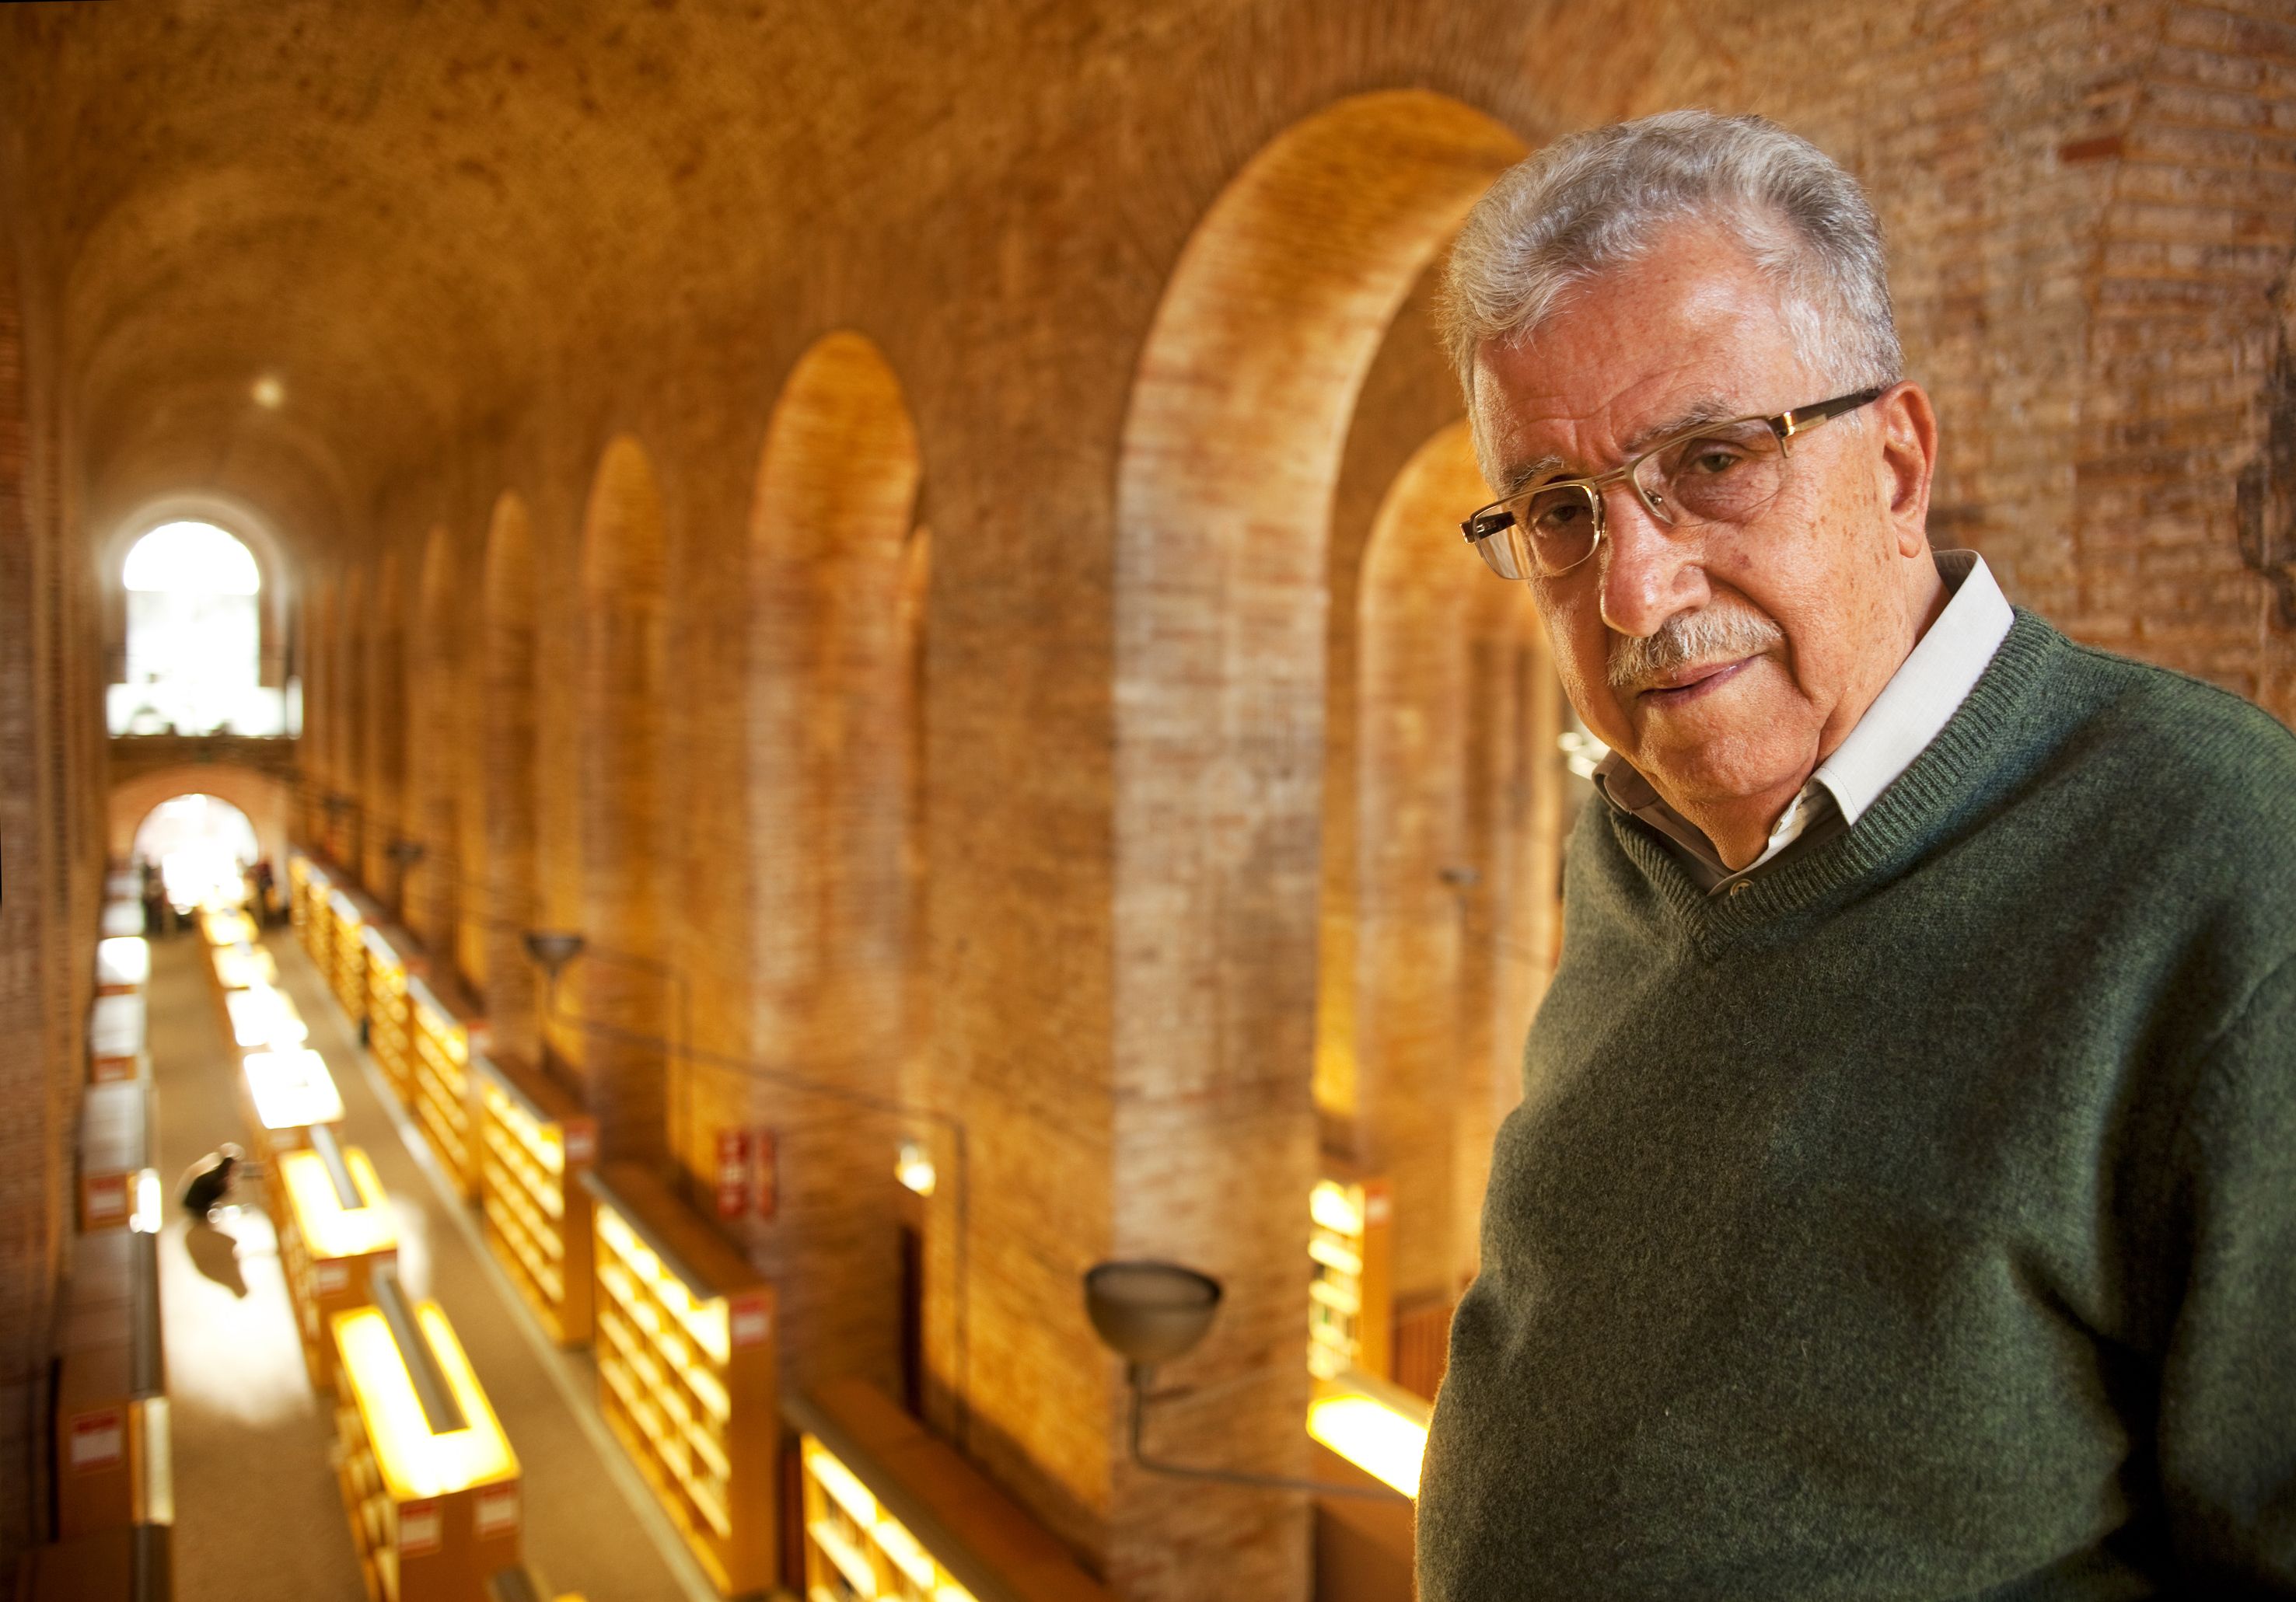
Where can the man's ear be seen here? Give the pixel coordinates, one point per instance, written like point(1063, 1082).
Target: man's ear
point(1909, 447)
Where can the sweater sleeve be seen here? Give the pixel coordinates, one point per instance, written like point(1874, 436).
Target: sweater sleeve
point(2226, 1432)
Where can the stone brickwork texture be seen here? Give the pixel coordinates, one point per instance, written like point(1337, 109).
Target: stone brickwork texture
point(1166, 821)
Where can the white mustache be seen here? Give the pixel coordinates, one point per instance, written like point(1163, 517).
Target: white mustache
point(1689, 639)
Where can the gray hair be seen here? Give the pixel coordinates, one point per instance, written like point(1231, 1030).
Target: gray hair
point(1598, 199)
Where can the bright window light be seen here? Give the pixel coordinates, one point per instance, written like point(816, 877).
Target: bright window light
point(194, 558)
point(203, 844)
point(193, 638)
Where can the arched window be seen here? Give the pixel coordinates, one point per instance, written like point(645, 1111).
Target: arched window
point(193, 638)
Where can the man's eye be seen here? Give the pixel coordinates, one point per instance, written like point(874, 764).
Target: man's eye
point(1711, 459)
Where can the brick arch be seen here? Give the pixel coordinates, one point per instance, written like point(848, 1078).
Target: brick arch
point(437, 744)
point(265, 798)
point(621, 680)
point(1518, 791)
point(320, 630)
point(1230, 455)
point(835, 576)
point(1418, 589)
point(504, 747)
point(347, 712)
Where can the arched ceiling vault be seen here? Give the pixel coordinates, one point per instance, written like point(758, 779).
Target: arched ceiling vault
point(406, 212)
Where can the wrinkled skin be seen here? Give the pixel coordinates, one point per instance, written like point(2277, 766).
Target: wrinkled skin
point(1839, 563)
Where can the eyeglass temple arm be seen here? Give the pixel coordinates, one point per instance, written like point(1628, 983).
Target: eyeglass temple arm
point(1802, 419)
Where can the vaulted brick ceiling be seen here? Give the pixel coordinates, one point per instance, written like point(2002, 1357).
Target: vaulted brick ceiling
point(408, 214)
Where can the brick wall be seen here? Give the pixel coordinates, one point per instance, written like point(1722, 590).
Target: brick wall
point(51, 863)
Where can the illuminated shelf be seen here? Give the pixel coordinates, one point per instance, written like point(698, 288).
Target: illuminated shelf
point(427, 1478)
point(444, 1027)
point(310, 885)
point(120, 918)
point(535, 1141)
point(854, 1549)
point(1350, 1307)
point(347, 916)
point(1380, 1429)
point(686, 1363)
point(337, 1228)
point(889, 1511)
point(391, 958)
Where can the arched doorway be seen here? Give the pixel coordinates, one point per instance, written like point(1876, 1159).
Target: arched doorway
point(837, 574)
point(1455, 800)
point(382, 744)
point(620, 985)
point(322, 775)
point(436, 752)
point(505, 714)
point(203, 848)
point(1412, 871)
point(346, 706)
point(1231, 450)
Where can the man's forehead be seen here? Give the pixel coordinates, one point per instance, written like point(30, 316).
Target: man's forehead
point(1527, 448)
point(1655, 348)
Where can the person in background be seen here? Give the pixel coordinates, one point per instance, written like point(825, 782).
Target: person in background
point(207, 1184)
point(1902, 1203)
point(155, 897)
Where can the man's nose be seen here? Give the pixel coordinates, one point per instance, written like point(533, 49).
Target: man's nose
point(1650, 570)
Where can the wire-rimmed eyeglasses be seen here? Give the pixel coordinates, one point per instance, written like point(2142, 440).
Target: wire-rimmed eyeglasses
point(1718, 472)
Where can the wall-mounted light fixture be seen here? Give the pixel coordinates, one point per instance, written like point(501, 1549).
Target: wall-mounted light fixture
point(552, 949)
point(1149, 1312)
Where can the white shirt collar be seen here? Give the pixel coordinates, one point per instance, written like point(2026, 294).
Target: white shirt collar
point(1926, 691)
point(1919, 700)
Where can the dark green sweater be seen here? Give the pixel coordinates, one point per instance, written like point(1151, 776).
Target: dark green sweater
point(1919, 1222)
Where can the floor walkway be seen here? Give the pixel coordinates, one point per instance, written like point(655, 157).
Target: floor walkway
point(256, 1514)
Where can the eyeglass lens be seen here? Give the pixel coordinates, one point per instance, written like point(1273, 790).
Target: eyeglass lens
point(1727, 474)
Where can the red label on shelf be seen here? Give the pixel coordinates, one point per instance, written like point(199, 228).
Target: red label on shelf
point(330, 1278)
point(418, 1528)
point(107, 1196)
point(497, 1511)
point(749, 1323)
point(99, 1440)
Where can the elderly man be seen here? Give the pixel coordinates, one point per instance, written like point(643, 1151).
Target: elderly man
point(1903, 1200)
